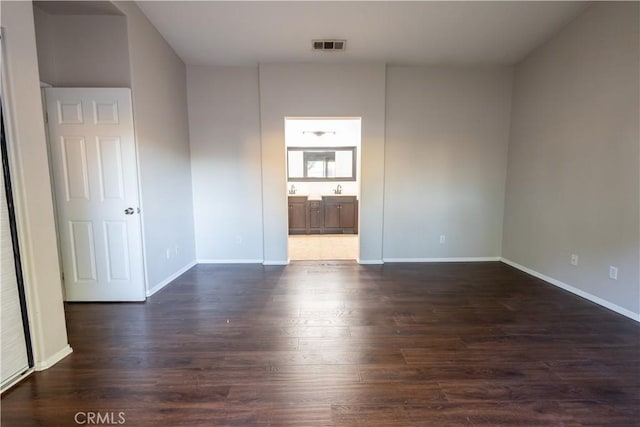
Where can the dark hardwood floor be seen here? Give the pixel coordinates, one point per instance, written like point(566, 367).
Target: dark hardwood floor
point(343, 344)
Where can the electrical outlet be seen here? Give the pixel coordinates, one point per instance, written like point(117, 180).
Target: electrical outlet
point(443, 238)
point(177, 250)
point(168, 253)
point(613, 272)
point(574, 259)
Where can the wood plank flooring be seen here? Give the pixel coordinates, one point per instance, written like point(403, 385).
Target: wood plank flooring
point(340, 344)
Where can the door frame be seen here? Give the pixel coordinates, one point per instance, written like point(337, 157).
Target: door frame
point(15, 243)
point(45, 118)
point(357, 164)
point(9, 160)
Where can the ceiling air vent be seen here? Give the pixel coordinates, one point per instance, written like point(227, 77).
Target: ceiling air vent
point(329, 45)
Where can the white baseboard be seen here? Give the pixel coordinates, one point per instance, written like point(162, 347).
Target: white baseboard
point(229, 261)
point(46, 364)
point(275, 262)
point(369, 261)
point(459, 259)
point(170, 279)
point(611, 306)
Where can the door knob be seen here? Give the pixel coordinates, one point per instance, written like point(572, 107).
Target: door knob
point(128, 211)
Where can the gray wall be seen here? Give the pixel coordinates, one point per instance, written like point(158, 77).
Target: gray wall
point(82, 50)
point(312, 90)
point(445, 161)
point(159, 88)
point(32, 187)
point(442, 172)
point(236, 117)
point(224, 123)
point(573, 176)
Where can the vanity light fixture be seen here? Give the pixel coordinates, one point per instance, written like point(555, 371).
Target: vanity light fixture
point(319, 132)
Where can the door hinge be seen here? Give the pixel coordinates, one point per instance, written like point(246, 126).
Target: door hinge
point(46, 117)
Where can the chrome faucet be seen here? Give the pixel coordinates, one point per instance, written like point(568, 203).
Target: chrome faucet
point(292, 190)
point(338, 189)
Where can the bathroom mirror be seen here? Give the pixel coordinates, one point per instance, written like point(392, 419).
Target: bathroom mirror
point(321, 163)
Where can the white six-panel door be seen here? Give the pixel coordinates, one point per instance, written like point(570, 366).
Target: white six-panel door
point(93, 156)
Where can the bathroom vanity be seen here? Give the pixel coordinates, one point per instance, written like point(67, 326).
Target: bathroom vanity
point(323, 215)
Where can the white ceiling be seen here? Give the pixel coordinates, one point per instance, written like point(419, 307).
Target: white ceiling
point(395, 32)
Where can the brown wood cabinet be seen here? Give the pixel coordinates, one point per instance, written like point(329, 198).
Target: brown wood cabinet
point(340, 214)
point(315, 217)
point(298, 215)
point(331, 215)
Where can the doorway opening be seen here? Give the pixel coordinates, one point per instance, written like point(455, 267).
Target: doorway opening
point(323, 187)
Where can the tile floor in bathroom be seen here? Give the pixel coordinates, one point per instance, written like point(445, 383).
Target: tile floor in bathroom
point(323, 247)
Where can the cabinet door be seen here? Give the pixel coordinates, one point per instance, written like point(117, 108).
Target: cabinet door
point(315, 217)
point(348, 215)
point(331, 216)
point(297, 217)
